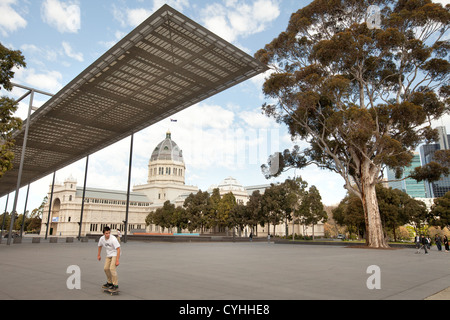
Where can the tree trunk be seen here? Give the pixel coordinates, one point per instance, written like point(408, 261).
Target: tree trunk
point(374, 228)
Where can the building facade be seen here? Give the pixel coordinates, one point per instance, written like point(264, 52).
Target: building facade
point(166, 181)
point(412, 187)
point(438, 188)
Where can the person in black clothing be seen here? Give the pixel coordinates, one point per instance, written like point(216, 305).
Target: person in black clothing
point(445, 240)
point(438, 241)
point(424, 243)
point(417, 241)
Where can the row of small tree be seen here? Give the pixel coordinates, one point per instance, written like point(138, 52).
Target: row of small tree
point(280, 203)
point(397, 208)
point(32, 222)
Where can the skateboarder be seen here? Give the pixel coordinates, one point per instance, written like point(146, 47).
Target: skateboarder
point(112, 247)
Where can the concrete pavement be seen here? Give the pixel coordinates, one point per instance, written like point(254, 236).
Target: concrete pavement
point(223, 271)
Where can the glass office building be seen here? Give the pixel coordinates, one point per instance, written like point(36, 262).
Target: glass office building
point(439, 188)
point(423, 189)
point(413, 188)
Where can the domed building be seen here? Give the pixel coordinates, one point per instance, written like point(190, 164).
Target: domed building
point(230, 184)
point(166, 162)
point(166, 174)
point(165, 182)
point(105, 207)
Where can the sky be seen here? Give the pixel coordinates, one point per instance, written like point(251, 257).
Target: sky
point(224, 135)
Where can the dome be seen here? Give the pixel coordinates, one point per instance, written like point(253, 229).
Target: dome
point(167, 150)
point(230, 184)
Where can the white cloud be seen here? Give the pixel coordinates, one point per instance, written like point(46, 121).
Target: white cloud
point(206, 116)
point(176, 4)
point(49, 81)
point(130, 17)
point(137, 16)
point(443, 2)
point(10, 20)
point(238, 18)
point(214, 137)
point(70, 53)
point(256, 120)
point(64, 16)
point(37, 54)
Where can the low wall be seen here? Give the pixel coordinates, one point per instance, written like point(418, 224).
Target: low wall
point(339, 243)
point(184, 237)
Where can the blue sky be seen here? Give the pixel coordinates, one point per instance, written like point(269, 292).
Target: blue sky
point(225, 135)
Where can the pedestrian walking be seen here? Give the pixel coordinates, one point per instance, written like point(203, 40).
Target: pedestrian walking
point(423, 244)
point(417, 241)
point(445, 241)
point(438, 241)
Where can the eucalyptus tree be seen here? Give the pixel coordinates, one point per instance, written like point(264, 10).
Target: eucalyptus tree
point(361, 86)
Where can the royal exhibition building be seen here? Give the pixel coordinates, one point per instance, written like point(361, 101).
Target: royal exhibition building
point(166, 181)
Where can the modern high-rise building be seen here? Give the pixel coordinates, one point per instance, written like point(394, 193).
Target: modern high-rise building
point(412, 187)
point(439, 188)
point(423, 189)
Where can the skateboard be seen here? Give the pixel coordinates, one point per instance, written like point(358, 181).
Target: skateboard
point(111, 292)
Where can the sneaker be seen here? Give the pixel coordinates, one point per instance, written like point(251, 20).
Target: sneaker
point(107, 285)
point(114, 288)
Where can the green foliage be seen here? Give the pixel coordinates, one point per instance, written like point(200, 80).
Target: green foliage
point(440, 211)
point(397, 208)
point(9, 59)
point(434, 170)
point(8, 123)
point(311, 207)
point(226, 204)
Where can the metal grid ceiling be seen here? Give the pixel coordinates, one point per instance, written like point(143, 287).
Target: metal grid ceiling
point(165, 65)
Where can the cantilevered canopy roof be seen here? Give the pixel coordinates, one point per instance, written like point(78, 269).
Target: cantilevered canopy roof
point(165, 65)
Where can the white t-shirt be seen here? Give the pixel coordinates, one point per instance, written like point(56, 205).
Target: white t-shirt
point(110, 245)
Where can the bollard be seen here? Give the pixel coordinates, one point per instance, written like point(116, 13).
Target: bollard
point(53, 240)
point(69, 239)
point(36, 240)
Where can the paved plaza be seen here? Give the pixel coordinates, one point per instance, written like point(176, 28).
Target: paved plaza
point(222, 271)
